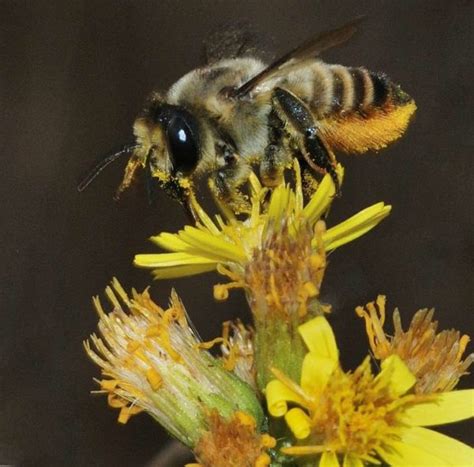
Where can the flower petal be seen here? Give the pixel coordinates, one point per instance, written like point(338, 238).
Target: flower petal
point(278, 394)
point(164, 260)
point(278, 203)
point(319, 338)
point(303, 450)
point(355, 226)
point(315, 372)
point(170, 242)
point(322, 198)
point(299, 199)
point(350, 460)
point(298, 422)
point(213, 245)
point(205, 220)
point(448, 407)
point(396, 375)
point(182, 271)
point(420, 446)
point(329, 459)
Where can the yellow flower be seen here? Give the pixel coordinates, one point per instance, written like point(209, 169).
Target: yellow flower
point(277, 254)
point(151, 361)
point(434, 358)
point(228, 244)
point(361, 418)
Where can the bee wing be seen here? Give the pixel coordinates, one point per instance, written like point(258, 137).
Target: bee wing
point(296, 57)
point(233, 40)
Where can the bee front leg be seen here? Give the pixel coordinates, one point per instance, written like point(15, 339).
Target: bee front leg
point(225, 181)
point(314, 150)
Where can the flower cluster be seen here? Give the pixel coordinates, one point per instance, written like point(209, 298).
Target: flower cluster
point(276, 393)
point(361, 416)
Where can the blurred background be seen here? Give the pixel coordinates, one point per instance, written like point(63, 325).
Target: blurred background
point(75, 74)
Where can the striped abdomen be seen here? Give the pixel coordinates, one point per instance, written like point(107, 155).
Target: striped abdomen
point(340, 89)
point(357, 109)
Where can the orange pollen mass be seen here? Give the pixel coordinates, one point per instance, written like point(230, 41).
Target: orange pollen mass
point(233, 443)
point(435, 358)
point(285, 273)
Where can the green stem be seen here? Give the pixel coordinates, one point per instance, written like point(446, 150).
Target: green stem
point(277, 345)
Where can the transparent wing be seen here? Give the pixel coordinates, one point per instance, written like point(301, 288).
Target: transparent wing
point(299, 56)
point(233, 40)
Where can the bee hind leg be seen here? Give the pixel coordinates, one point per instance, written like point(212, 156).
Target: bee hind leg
point(275, 157)
point(314, 150)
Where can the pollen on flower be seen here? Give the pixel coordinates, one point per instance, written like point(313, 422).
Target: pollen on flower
point(236, 346)
point(129, 345)
point(152, 361)
point(285, 273)
point(356, 413)
point(238, 352)
point(233, 442)
point(363, 417)
point(435, 358)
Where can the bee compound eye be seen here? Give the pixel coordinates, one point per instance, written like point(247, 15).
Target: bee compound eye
point(183, 146)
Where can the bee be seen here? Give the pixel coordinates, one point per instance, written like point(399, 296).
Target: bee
point(221, 120)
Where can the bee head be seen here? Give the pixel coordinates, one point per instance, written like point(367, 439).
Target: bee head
point(169, 134)
point(168, 147)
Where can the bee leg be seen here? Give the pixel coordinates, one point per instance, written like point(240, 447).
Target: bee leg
point(318, 156)
point(224, 183)
point(275, 158)
point(310, 184)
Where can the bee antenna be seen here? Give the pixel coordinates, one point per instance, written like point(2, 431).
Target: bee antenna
point(92, 175)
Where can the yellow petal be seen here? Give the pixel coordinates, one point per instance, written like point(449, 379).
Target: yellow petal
point(278, 204)
point(396, 375)
point(448, 407)
point(423, 447)
point(352, 461)
point(329, 459)
point(170, 242)
point(212, 245)
point(315, 372)
point(303, 450)
point(318, 336)
point(164, 260)
point(278, 394)
point(322, 198)
point(182, 271)
point(355, 226)
point(299, 199)
point(205, 220)
point(298, 422)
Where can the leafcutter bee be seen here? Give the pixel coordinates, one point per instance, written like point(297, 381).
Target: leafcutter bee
point(221, 120)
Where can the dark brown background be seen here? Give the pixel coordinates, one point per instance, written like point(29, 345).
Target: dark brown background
point(75, 74)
